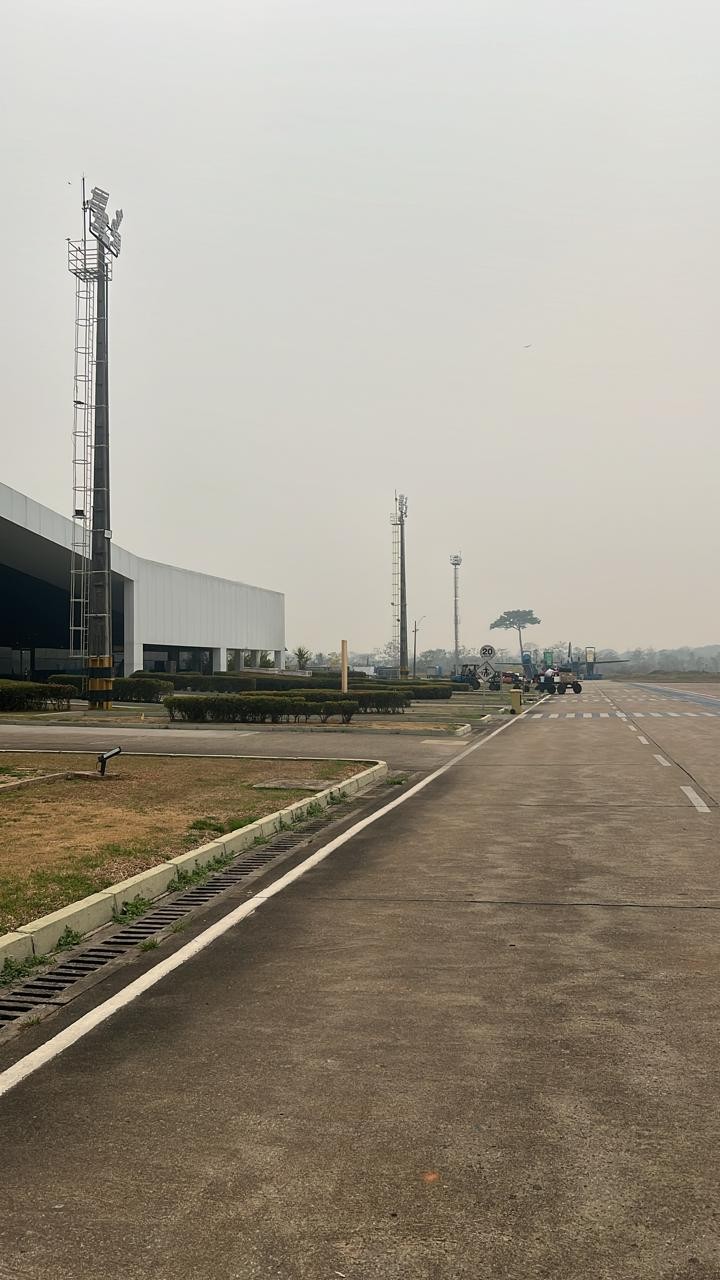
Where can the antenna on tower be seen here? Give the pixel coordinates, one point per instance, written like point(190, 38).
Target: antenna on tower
point(456, 561)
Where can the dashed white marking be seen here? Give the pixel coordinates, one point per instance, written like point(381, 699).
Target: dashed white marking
point(643, 740)
point(554, 715)
point(569, 715)
point(604, 715)
point(690, 713)
point(672, 713)
point(657, 714)
point(640, 715)
point(662, 760)
point(695, 799)
point(587, 715)
point(632, 728)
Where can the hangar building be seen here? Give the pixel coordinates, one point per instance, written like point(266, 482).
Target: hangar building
point(164, 618)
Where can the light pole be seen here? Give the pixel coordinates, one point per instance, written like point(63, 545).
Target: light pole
point(416, 624)
point(456, 561)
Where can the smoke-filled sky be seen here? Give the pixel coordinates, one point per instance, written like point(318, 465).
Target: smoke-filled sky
point(467, 250)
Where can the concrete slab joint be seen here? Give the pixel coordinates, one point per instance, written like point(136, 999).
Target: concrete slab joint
point(39, 936)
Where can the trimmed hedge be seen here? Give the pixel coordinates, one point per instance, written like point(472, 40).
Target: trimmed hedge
point(77, 682)
point(188, 681)
point(376, 699)
point(254, 709)
point(25, 695)
point(140, 690)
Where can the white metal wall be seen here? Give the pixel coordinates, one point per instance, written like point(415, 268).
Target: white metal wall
point(164, 605)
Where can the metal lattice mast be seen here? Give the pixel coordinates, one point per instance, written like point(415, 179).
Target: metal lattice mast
point(404, 672)
point(399, 587)
point(456, 561)
point(90, 581)
point(83, 431)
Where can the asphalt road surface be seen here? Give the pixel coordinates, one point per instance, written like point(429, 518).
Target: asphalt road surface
point(479, 1040)
point(401, 750)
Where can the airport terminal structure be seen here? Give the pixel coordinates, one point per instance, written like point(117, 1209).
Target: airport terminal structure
point(163, 618)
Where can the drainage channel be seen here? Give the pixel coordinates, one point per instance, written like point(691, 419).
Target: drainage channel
point(44, 992)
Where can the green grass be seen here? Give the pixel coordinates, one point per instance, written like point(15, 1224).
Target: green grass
point(14, 970)
point(217, 827)
point(184, 879)
point(132, 910)
point(69, 938)
point(398, 780)
point(150, 944)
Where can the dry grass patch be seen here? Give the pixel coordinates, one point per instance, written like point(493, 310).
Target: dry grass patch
point(60, 841)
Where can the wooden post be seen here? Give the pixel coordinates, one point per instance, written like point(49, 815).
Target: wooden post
point(344, 666)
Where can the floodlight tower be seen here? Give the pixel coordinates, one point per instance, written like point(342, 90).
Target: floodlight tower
point(399, 585)
point(456, 561)
point(90, 584)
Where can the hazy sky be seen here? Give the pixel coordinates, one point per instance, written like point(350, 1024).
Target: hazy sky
point(467, 250)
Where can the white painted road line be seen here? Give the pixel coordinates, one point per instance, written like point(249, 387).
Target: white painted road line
point(56, 1045)
point(554, 715)
point(695, 799)
point(662, 760)
point(657, 714)
point(640, 715)
point(643, 740)
point(632, 728)
point(604, 715)
point(587, 715)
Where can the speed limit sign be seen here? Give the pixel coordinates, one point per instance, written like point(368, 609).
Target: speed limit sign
point(487, 651)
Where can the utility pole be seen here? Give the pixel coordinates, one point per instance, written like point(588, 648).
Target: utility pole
point(456, 561)
point(415, 631)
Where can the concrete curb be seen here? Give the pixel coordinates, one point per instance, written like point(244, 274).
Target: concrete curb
point(38, 937)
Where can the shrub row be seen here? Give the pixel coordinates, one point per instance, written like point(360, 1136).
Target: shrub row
point(26, 695)
point(255, 709)
point(235, 682)
point(140, 690)
point(368, 700)
point(188, 681)
point(77, 682)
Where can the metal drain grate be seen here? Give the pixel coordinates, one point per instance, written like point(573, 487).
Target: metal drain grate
point(48, 987)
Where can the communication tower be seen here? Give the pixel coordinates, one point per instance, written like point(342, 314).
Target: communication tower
point(399, 586)
point(90, 595)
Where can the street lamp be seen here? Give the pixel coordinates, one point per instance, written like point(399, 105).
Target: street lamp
point(416, 624)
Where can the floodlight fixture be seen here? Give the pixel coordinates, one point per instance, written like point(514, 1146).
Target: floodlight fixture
point(104, 231)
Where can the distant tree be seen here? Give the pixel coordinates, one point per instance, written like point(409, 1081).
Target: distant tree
point(516, 620)
point(302, 657)
point(434, 658)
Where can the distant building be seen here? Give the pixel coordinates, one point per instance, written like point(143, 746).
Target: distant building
point(164, 618)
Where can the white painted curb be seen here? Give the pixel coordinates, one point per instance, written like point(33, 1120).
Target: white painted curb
point(40, 936)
